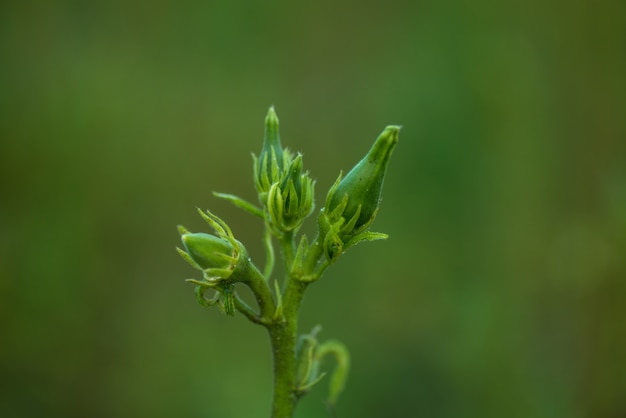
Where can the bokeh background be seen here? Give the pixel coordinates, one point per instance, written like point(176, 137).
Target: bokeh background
point(501, 292)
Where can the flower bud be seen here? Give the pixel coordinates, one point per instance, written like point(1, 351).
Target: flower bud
point(352, 202)
point(208, 251)
point(271, 165)
point(291, 201)
point(217, 256)
point(357, 196)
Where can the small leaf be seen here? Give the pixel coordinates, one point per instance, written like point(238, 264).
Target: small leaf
point(365, 236)
point(340, 374)
point(304, 358)
point(297, 268)
point(307, 362)
point(240, 203)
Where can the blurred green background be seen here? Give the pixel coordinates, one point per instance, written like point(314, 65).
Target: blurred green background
point(501, 292)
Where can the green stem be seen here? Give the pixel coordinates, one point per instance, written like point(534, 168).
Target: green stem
point(248, 312)
point(283, 334)
point(261, 290)
point(288, 247)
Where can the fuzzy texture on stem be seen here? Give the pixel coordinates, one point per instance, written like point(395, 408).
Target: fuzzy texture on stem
point(283, 334)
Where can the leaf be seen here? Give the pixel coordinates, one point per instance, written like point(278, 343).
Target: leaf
point(340, 374)
point(239, 202)
point(364, 236)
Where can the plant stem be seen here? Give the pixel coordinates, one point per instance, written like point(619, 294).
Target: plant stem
point(283, 334)
point(261, 291)
point(287, 246)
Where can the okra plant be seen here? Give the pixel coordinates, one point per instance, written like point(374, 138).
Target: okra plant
point(286, 199)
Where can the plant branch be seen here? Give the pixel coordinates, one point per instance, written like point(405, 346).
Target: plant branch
point(283, 334)
point(247, 311)
point(261, 290)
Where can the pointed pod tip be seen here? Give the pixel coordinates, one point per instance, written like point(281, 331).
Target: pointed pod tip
point(271, 117)
point(391, 133)
point(182, 230)
point(384, 144)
